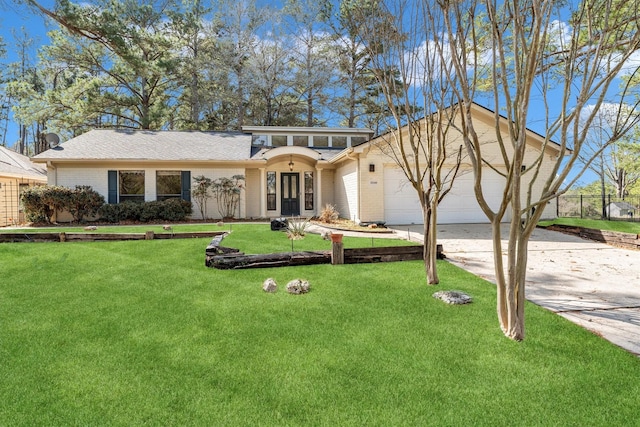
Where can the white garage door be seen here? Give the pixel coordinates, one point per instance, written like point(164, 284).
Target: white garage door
point(458, 207)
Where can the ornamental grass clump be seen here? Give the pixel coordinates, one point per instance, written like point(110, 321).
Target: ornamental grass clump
point(297, 229)
point(329, 214)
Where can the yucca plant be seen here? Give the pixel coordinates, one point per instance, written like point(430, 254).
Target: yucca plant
point(297, 229)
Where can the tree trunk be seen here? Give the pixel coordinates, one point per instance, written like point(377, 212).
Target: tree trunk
point(511, 288)
point(620, 183)
point(430, 246)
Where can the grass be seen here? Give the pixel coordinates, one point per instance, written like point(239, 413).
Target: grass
point(596, 224)
point(141, 333)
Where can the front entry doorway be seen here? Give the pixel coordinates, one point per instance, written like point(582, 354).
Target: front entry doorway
point(290, 203)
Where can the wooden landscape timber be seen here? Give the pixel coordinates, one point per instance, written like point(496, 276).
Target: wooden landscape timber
point(613, 238)
point(284, 259)
point(241, 261)
point(93, 237)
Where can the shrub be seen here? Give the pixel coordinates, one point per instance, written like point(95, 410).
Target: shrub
point(34, 207)
point(175, 210)
point(130, 211)
point(150, 211)
point(42, 202)
point(109, 213)
point(167, 210)
point(329, 214)
point(85, 202)
point(201, 192)
point(227, 193)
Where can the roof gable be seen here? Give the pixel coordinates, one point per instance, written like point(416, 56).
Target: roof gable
point(487, 116)
point(16, 165)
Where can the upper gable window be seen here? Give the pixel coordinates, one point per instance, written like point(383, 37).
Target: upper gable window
point(320, 141)
point(301, 140)
point(279, 141)
point(260, 140)
point(339, 141)
point(356, 140)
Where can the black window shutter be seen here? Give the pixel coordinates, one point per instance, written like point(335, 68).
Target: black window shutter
point(112, 197)
point(185, 177)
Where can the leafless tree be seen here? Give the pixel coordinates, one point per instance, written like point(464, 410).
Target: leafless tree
point(416, 84)
point(525, 56)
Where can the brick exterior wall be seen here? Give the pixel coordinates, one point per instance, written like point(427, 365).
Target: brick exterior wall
point(96, 177)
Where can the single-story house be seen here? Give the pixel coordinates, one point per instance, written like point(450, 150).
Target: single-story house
point(289, 171)
point(17, 173)
point(620, 210)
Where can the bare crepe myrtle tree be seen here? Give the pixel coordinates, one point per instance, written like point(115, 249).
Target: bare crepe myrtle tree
point(525, 57)
point(412, 79)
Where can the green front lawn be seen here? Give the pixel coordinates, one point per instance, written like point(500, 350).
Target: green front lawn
point(620, 226)
point(141, 333)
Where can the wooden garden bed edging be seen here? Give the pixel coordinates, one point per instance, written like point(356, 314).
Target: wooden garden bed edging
point(92, 237)
point(351, 256)
point(613, 238)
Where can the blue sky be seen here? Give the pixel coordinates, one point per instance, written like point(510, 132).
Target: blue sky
point(12, 19)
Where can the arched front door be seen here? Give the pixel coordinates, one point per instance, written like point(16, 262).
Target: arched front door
point(290, 185)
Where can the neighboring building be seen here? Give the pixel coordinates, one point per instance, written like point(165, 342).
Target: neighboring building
point(620, 210)
point(17, 173)
point(289, 171)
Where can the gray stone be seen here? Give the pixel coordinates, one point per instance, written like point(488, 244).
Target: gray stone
point(453, 297)
point(298, 286)
point(269, 285)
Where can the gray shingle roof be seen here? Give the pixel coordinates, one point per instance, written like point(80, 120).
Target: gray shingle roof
point(104, 144)
point(17, 165)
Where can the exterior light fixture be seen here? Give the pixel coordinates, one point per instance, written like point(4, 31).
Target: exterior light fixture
point(291, 163)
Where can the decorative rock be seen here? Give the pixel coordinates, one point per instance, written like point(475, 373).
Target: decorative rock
point(91, 228)
point(453, 297)
point(167, 227)
point(372, 226)
point(298, 286)
point(220, 223)
point(269, 285)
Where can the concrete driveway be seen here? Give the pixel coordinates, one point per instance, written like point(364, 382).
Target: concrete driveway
point(591, 284)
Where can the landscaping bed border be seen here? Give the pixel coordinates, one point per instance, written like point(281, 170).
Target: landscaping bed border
point(613, 238)
point(93, 237)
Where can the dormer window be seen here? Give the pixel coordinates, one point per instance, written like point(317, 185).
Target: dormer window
point(259, 140)
point(301, 140)
point(279, 140)
point(357, 140)
point(312, 137)
point(320, 141)
point(339, 142)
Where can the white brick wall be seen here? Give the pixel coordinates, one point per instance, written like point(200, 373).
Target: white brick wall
point(97, 178)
